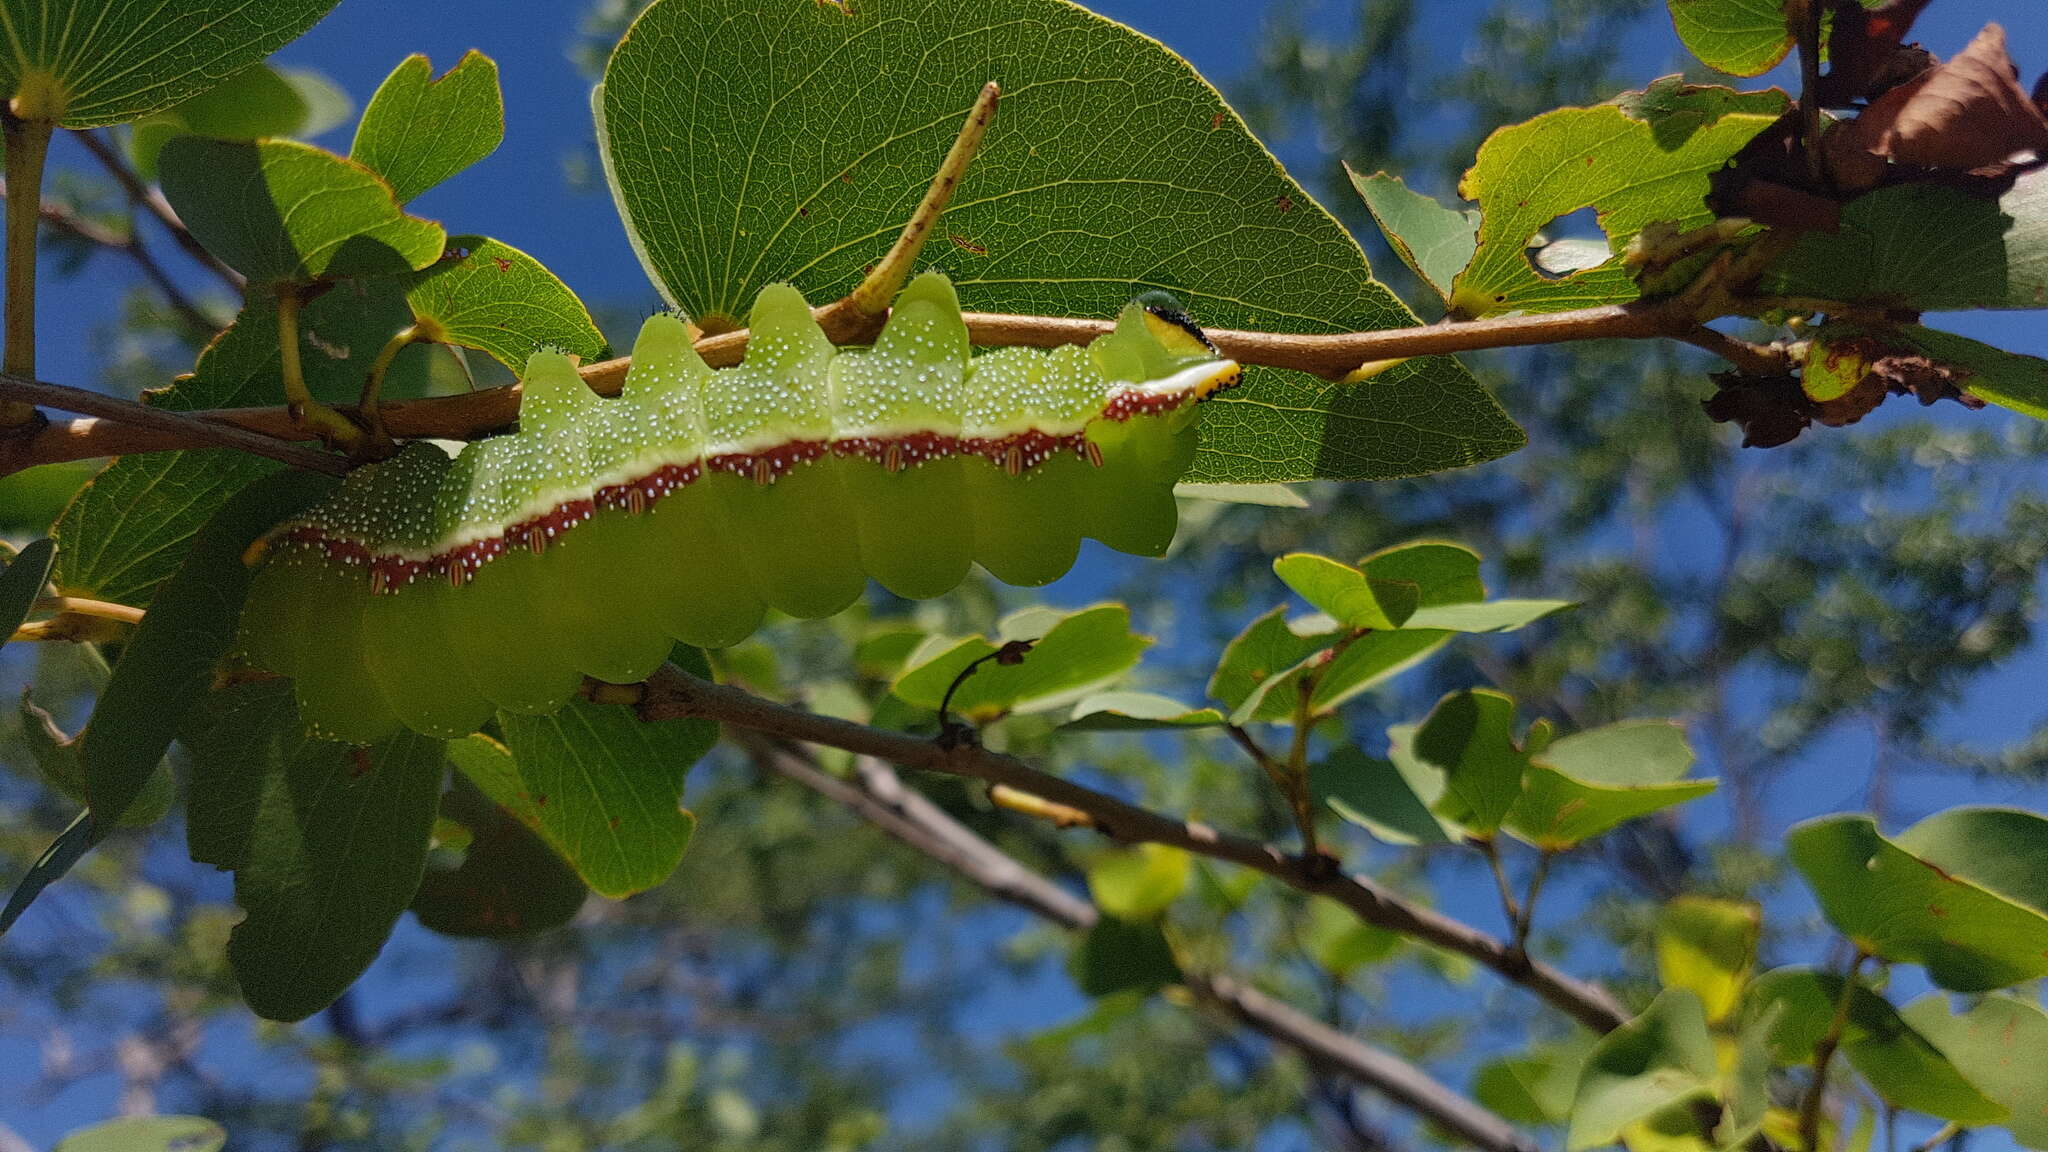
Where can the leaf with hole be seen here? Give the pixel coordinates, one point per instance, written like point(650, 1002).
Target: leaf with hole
point(1642, 159)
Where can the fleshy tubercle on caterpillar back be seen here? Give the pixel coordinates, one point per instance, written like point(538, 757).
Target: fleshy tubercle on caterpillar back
point(431, 589)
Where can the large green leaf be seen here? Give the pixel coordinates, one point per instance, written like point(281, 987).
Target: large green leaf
point(508, 882)
point(85, 63)
point(1433, 240)
point(1997, 1044)
point(1068, 660)
point(1973, 934)
point(746, 145)
point(1534, 1088)
point(1898, 1061)
point(22, 582)
point(1708, 946)
point(602, 788)
point(419, 130)
point(1739, 37)
point(1587, 783)
point(167, 666)
point(148, 1134)
point(1642, 159)
point(1926, 247)
point(327, 842)
point(281, 212)
point(1662, 1058)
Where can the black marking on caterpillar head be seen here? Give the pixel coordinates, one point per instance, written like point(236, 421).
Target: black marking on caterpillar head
point(1166, 306)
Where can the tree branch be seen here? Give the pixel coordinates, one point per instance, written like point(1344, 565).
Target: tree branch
point(672, 693)
point(880, 797)
point(1328, 354)
point(153, 202)
point(116, 421)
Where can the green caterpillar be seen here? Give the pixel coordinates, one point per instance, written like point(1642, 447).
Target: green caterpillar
point(430, 590)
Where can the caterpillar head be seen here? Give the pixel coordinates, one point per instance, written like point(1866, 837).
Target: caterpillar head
point(1155, 341)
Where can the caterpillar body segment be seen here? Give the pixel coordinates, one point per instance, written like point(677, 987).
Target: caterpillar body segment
point(432, 590)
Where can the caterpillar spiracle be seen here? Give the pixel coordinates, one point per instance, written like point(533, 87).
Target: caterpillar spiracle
point(430, 590)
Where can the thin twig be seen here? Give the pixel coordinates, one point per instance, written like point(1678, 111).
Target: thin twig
point(81, 606)
point(472, 414)
point(876, 794)
point(1942, 1135)
point(673, 693)
point(887, 278)
point(153, 202)
point(1512, 910)
point(1824, 1055)
point(130, 245)
point(1537, 876)
point(185, 429)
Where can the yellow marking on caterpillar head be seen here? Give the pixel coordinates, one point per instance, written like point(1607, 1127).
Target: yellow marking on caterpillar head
point(1226, 375)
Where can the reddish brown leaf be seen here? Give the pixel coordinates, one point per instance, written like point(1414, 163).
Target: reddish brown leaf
point(1867, 54)
point(1969, 113)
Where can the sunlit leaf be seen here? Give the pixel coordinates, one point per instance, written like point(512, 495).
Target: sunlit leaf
point(1739, 37)
point(1662, 1058)
point(1997, 1045)
point(1140, 882)
point(1071, 657)
point(1708, 946)
point(1433, 240)
point(148, 1134)
point(420, 129)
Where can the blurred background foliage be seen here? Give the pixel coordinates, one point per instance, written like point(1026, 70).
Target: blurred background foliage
point(1842, 623)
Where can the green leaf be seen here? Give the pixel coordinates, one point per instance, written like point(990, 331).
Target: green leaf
point(1137, 712)
point(419, 130)
point(67, 849)
point(1267, 648)
point(1122, 956)
point(1377, 796)
point(1926, 247)
point(1469, 737)
point(502, 301)
point(61, 759)
point(1643, 159)
point(21, 583)
point(34, 497)
point(1535, 1088)
point(281, 212)
point(1492, 616)
point(1997, 1045)
point(1345, 594)
point(85, 63)
point(148, 1134)
point(1898, 1061)
point(1443, 573)
point(327, 841)
point(1260, 495)
point(1139, 883)
point(507, 883)
point(1900, 905)
point(2007, 379)
point(1587, 783)
point(1739, 37)
point(1108, 155)
point(167, 666)
point(1662, 1058)
point(1436, 241)
point(601, 787)
point(1342, 943)
point(255, 102)
point(1708, 946)
point(1069, 659)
